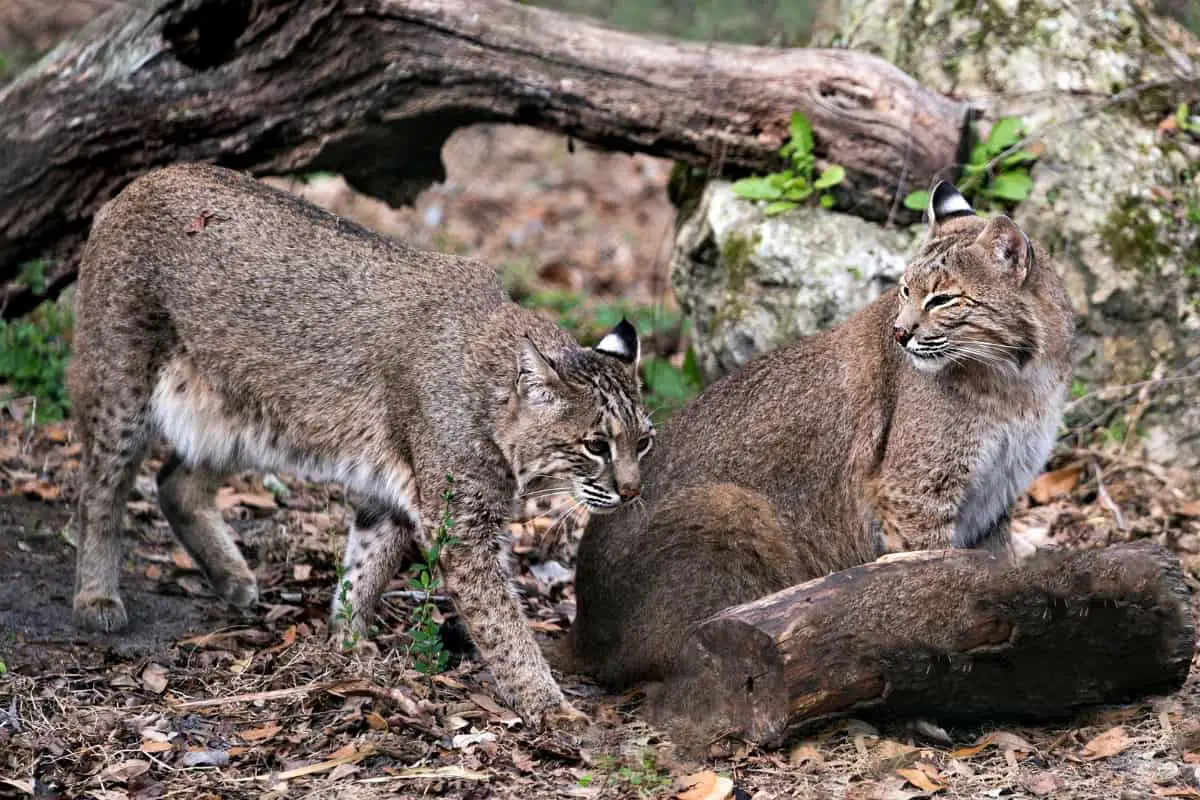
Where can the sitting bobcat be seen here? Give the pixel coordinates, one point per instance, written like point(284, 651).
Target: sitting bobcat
point(255, 331)
point(921, 417)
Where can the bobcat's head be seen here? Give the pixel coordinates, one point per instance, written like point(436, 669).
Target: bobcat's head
point(578, 421)
point(969, 297)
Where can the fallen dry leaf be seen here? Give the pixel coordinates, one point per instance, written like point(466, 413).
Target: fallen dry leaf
point(1059, 483)
point(375, 721)
point(154, 678)
point(1002, 740)
point(126, 771)
point(1042, 784)
point(890, 748)
point(921, 779)
point(40, 489)
point(805, 753)
point(343, 755)
point(706, 785)
point(1191, 758)
point(259, 501)
point(1176, 791)
point(1191, 509)
point(152, 746)
point(1107, 744)
point(182, 559)
point(261, 734)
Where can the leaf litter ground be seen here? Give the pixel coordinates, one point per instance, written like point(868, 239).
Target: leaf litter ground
point(197, 699)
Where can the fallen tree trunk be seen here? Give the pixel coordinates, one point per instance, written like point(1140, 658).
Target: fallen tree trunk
point(373, 89)
point(949, 635)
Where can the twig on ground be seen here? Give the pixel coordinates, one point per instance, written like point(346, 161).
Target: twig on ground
point(1106, 500)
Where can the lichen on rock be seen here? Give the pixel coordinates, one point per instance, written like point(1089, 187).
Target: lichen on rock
point(751, 282)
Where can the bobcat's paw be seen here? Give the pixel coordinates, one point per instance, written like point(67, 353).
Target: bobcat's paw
point(240, 591)
point(565, 717)
point(99, 613)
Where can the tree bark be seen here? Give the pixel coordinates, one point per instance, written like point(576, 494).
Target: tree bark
point(372, 88)
point(952, 635)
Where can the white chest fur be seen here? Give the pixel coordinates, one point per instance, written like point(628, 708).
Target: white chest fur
point(1011, 454)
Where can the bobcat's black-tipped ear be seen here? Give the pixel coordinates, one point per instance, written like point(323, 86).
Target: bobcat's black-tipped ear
point(622, 342)
point(538, 381)
point(946, 202)
point(1007, 246)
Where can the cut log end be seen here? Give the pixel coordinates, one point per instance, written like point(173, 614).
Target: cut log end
point(957, 636)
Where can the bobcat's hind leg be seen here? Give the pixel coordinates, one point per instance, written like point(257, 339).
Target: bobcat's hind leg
point(187, 496)
point(114, 440)
point(379, 538)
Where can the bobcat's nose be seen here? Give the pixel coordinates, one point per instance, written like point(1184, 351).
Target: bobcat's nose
point(630, 491)
point(901, 334)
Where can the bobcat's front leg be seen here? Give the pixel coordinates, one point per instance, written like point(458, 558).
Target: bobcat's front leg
point(492, 615)
point(918, 513)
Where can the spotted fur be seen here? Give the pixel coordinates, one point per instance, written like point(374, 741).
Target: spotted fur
point(254, 331)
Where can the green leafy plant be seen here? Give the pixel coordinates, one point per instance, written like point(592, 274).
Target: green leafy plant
point(426, 648)
point(1186, 122)
point(786, 190)
point(669, 387)
point(997, 173)
point(644, 778)
point(345, 609)
point(34, 351)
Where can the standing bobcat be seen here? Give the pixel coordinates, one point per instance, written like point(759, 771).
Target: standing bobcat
point(922, 418)
point(254, 331)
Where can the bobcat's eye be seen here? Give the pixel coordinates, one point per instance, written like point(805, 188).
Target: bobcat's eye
point(644, 444)
point(904, 291)
point(940, 300)
point(597, 447)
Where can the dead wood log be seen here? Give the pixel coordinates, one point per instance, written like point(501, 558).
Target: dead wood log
point(372, 89)
point(951, 635)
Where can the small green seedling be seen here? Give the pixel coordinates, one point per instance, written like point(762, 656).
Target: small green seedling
point(426, 649)
point(997, 173)
point(786, 190)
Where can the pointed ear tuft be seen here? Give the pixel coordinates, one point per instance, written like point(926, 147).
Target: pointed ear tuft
point(946, 202)
point(622, 343)
point(1007, 246)
point(537, 380)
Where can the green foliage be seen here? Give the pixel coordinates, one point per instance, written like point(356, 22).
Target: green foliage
point(1186, 122)
point(33, 358)
point(997, 174)
point(643, 778)
point(785, 190)
point(345, 609)
point(3, 667)
point(426, 648)
point(33, 275)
